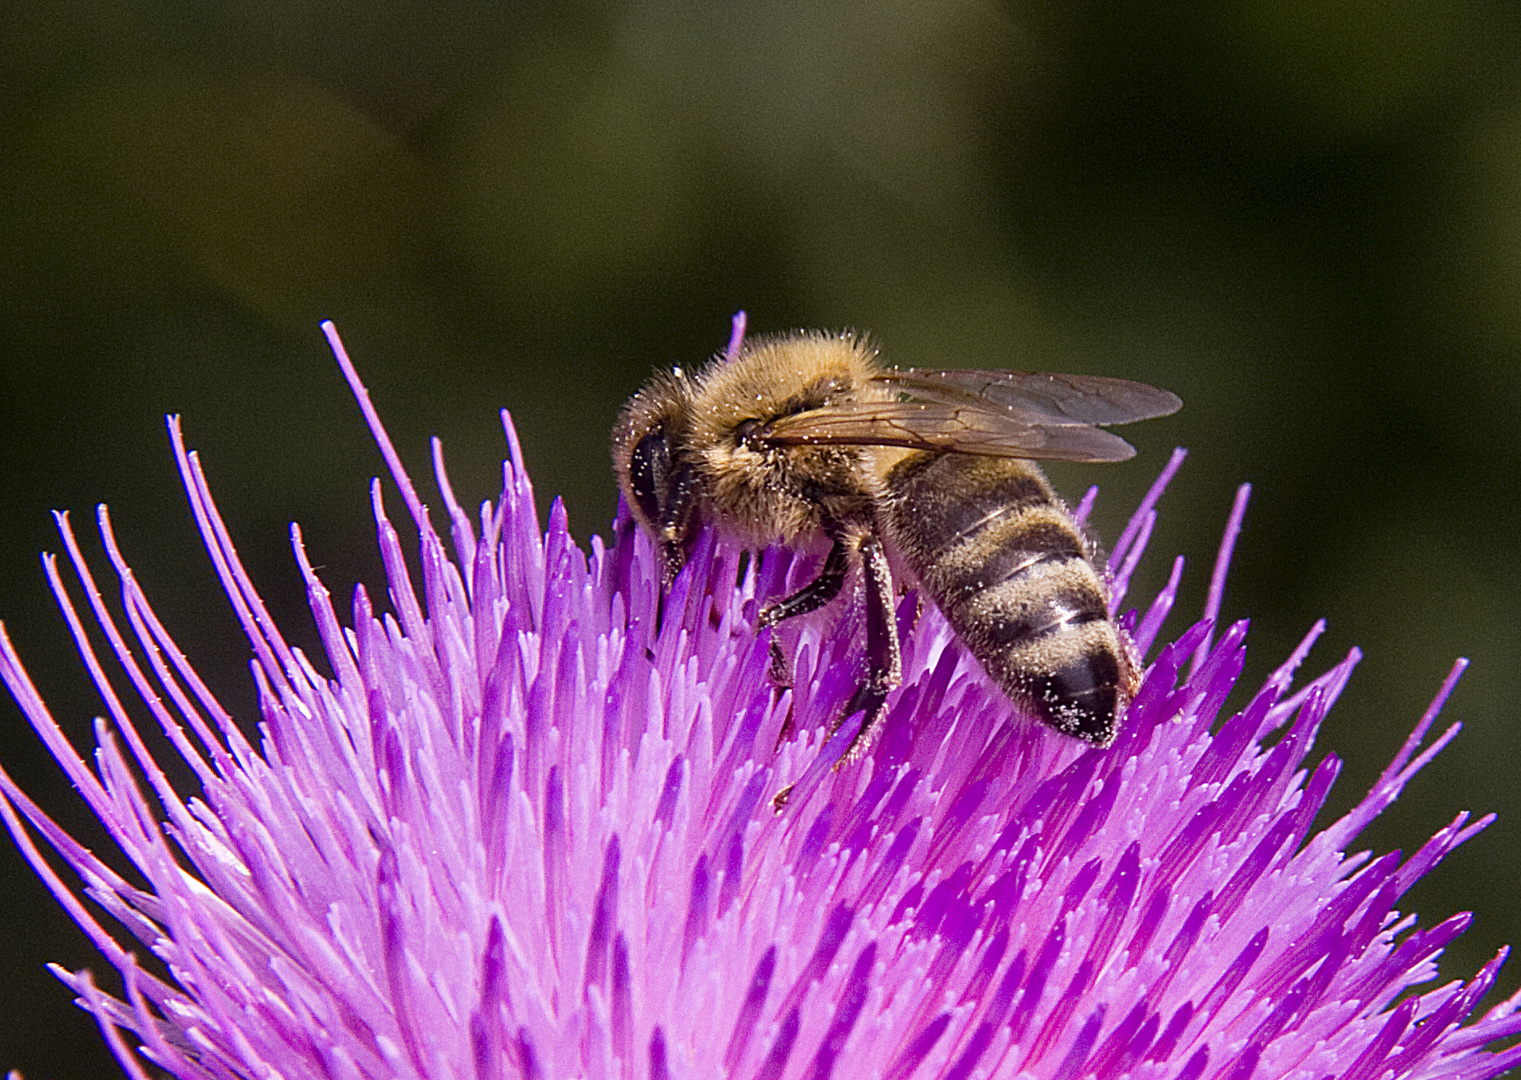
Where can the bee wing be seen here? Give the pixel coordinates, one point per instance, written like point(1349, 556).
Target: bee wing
point(970, 427)
point(1014, 414)
point(1037, 397)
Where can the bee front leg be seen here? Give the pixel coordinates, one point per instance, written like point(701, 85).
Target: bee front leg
point(810, 597)
point(884, 659)
point(816, 593)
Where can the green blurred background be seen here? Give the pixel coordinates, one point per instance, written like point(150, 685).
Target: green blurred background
point(1304, 218)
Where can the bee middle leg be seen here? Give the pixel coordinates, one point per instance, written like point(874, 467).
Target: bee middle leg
point(884, 659)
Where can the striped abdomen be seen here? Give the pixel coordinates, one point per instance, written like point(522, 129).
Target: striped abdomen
point(1002, 559)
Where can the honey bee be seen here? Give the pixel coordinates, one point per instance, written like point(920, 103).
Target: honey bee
point(929, 473)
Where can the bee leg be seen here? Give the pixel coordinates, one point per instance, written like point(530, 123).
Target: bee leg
point(884, 659)
point(779, 671)
point(780, 675)
point(816, 593)
point(810, 597)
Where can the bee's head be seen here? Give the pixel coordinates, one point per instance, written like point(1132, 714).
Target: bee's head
point(656, 474)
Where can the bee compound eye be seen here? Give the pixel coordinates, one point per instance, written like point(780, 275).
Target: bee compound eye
point(650, 475)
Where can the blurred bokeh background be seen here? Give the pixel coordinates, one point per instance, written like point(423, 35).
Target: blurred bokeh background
point(1304, 218)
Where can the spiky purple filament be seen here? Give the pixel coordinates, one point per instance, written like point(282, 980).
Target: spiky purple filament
point(518, 833)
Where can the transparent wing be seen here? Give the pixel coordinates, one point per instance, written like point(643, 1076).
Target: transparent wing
point(1034, 396)
point(973, 428)
point(1016, 414)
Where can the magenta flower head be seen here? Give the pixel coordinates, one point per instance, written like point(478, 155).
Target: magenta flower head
point(505, 828)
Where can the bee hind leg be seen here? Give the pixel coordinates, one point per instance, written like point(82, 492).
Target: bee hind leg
point(884, 659)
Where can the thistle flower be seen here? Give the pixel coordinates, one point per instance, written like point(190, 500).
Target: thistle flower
point(513, 831)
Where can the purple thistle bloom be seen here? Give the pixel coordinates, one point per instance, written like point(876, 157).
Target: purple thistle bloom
point(513, 832)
